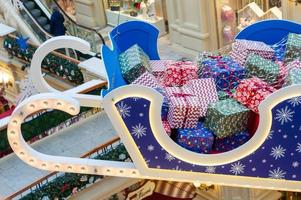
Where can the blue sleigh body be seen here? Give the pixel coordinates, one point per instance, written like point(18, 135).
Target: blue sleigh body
point(270, 159)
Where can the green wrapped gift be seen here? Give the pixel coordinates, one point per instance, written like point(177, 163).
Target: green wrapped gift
point(293, 48)
point(222, 95)
point(227, 117)
point(293, 77)
point(262, 68)
point(133, 63)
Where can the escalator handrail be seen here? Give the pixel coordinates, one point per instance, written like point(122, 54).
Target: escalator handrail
point(80, 25)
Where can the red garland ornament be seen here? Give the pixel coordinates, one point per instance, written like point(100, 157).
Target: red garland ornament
point(65, 187)
point(137, 5)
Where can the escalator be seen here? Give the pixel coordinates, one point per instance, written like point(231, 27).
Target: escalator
point(37, 14)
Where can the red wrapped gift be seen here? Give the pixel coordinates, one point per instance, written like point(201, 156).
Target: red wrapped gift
point(184, 108)
point(158, 67)
point(205, 90)
point(253, 123)
point(178, 73)
point(251, 92)
point(167, 127)
point(148, 80)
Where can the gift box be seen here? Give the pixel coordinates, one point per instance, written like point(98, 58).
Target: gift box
point(293, 73)
point(251, 92)
point(241, 49)
point(148, 80)
point(179, 73)
point(165, 106)
point(253, 123)
point(133, 63)
point(198, 139)
point(166, 127)
point(263, 69)
point(158, 67)
point(293, 48)
point(184, 108)
point(203, 56)
point(222, 95)
point(231, 142)
point(293, 77)
point(225, 71)
point(205, 90)
point(227, 117)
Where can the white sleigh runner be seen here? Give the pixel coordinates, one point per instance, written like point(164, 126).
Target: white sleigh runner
point(271, 159)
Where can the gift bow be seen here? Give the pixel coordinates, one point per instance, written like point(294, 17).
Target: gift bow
point(174, 94)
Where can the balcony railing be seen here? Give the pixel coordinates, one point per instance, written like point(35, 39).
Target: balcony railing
point(55, 63)
point(63, 185)
point(35, 127)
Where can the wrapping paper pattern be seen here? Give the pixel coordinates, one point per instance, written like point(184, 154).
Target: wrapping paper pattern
point(231, 142)
point(241, 49)
point(148, 80)
point(133, 63)
point(263, 69)
point(165, 105)
point(198, 139)
point(227, 117)
point(178, 73)
point(203, 56)
point(205, 90)
point(293, 77)
point(184, 108)
point(251, 92)
point(225, 71)
point(293, 48)
point(158, 67)
point(166, 127)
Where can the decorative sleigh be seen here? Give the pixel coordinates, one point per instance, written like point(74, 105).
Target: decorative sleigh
point(154, 154)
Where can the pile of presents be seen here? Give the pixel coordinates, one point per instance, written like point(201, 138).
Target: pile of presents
point(211, 106)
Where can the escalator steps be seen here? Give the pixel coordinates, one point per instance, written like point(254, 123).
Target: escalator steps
point(36, 13)
point(42, 21)
point(47, 28)
point(29, 5)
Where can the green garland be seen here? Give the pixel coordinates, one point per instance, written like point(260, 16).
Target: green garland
point(62, 186)
point(39, 125)
point(53, 63)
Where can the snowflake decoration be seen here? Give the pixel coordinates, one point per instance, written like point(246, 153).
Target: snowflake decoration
point(284, 115)
point(124, 110)
point(237, 168)
point(296, 101)
point(150, 148)
point(138, 131)
point(278, 152)
point(298, 149)
point(270, 136)
point(277, 173)
point(295, 164)
point(210, 169)
point(169, 157)
point(136, 98)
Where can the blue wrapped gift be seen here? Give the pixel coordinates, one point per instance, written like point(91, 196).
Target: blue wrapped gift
point(225, 71)
point(231, 142)
point(198, 139)
point(165, 106)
